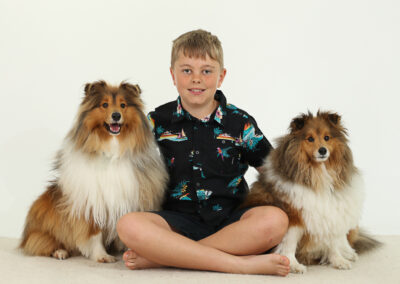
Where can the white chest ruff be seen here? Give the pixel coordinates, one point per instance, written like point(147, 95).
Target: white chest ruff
point(103, 187)
point(327, 213)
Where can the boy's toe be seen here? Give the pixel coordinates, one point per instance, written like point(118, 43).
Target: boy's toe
point(129, 255)
point(285, 261)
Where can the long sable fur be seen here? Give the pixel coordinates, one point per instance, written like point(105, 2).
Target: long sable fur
point(53, 223)
point(290, 163)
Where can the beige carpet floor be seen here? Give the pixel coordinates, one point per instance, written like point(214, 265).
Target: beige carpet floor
point(380, 266)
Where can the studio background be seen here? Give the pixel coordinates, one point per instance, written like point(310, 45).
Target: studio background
point(282, 58)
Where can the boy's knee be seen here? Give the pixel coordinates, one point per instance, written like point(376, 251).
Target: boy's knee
point(280, 224)
point(128, 225)
point(272, 222)
point(122, 224)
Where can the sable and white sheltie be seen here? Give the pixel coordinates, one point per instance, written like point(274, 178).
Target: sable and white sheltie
point(108, 165)
point(311, 176)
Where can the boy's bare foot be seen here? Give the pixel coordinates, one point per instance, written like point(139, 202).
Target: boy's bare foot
point(135, 261)
point(271, 264)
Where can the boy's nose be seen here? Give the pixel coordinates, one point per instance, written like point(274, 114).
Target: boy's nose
point(195, 78)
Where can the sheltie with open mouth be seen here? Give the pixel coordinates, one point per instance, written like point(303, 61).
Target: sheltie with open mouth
point(108, 165)
point(311, 176)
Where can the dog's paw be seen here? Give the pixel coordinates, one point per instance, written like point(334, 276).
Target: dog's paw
point(341, 264)
point(105, 258)
point(352, 256)
point(60, 254)
point(298, 268)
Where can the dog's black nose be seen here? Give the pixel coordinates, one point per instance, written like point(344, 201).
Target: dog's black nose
point(322, 151)
point(116, 116)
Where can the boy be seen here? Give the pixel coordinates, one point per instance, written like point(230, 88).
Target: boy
point(207, 146)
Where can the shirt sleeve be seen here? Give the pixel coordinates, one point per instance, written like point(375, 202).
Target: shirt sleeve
point(152, 121)
point(256, 147)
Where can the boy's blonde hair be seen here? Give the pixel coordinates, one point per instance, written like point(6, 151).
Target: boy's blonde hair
point(198, 43)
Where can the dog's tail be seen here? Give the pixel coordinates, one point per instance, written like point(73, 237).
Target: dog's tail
point(361, 241)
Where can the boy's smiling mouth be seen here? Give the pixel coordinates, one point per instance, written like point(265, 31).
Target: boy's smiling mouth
point(196, 91)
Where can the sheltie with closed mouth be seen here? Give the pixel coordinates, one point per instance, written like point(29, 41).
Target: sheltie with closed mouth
point(311, 176)
point(108, 165)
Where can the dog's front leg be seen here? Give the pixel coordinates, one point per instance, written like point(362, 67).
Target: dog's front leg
point(94, 249)
point(346, 250)
point(288, 248)
point(338, 251)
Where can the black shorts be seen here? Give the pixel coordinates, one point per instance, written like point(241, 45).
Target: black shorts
point(192, 226)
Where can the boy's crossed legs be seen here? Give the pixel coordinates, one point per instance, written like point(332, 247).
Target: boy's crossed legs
point(232, 249)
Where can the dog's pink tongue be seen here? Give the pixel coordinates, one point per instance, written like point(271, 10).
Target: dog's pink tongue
point(114, 127)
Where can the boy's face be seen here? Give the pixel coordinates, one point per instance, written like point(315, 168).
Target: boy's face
point(196, 80)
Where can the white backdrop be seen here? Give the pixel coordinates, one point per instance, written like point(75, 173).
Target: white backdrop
point(282, 57)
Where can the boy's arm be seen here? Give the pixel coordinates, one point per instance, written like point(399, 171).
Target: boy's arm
point(256, 147)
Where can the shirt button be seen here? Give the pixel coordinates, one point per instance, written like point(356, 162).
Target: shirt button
point(197, 152)
point(223, 141)
point(197, 184)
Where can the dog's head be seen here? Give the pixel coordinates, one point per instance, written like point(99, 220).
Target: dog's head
point(319, 137)
point(110, 111)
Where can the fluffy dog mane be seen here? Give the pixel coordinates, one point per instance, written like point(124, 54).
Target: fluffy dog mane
point(291, 163)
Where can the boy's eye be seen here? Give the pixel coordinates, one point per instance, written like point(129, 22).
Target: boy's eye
point(123, 105)
point(186, 71)
point(310, 139)
point(105, 105)
point(326, 138)
point(207, 72)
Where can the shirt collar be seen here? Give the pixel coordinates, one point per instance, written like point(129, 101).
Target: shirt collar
point(218, 115)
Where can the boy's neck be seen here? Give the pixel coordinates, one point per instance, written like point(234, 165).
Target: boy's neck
point(201, 112)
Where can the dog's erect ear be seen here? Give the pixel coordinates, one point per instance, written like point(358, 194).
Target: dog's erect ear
point(299, 122)
point(87, 87)
point(331, 117)
point(334, 118)
point(93, 88)
point(134, 89)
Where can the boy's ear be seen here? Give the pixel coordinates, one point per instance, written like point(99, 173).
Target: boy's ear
point(221, 77)
point(173, 75)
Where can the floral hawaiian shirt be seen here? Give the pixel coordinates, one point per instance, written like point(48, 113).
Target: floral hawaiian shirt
point(207, 158)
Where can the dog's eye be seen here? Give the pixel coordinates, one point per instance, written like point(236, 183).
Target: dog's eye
point(326, 138)
point(310, 139)
point(105, 105)
point(123, 105)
